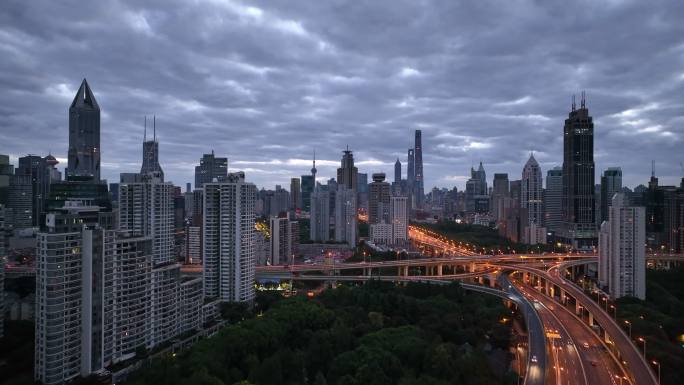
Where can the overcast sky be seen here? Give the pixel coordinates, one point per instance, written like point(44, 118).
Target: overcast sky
point(267, 82)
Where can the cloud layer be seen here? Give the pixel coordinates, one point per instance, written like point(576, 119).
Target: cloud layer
point(267, 82)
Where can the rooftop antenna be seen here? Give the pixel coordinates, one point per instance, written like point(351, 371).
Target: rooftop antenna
point(573, 102)
point(653, 169)
point(583, 100)
point(154, 124)
point(145, 132)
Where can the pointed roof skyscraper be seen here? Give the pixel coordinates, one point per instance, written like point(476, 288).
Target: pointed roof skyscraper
point(84, 97)
point(84, 136)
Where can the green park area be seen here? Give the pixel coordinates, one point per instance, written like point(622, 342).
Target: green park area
point(377, 333)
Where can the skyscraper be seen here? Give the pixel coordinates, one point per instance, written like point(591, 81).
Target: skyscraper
point(308, 185)
point(622, 251)
point(70, 311)
point(295, 194)
point(37, 169)
point(229, 254)
point(476, 191)
point(418, 163)
point(210, 168)
point(531, 202)
point(379, 200)
point(150, 163)
point(553, 199)
point(410, 168)
point(6, 172)
point(611, 183)
point(146, 208)
point(345, 216)
point(284, 239)
point(84, 135)
point(20, 201)
point(578, 178)
point(399, 218)
point(531, 191)
point(397, 171)
point(347, 173)
point(500, 191)
point(319, 227)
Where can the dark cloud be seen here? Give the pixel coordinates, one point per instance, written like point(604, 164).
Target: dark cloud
point(267, 82)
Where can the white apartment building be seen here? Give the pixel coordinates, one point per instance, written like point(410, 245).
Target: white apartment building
point(622, 254)
point(229, 254)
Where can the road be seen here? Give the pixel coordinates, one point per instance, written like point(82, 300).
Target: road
point(536, 371)
point(639, 368)
point(577, 363)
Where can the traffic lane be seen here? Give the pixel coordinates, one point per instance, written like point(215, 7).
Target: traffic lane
point(640, 370)
point(565, 367)
point(598, 363)
point(536, 371)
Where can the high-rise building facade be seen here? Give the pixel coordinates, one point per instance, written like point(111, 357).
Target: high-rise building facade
point(20, 201)
point(72, 274)
point(37, 169)
point(146, 209)
point(345, 216)
point(579, 226)
point(500, 191)
point(6, 172)
point(397, 171)
point(347, 174)
point(553, 199)
point(531, 192)
point(622, 250)
point(476, 191)
point(379, 200)
point(150, 163)
point(284, 240)
point(229, 255)
point(295, 194)
point(611, 183)
point(84, 135)
point(418, 172)
point(319, 226)
point(210, 168)
point(399, 218)
point(308, 184)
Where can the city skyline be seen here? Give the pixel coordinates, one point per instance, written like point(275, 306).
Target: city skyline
point(267, 111)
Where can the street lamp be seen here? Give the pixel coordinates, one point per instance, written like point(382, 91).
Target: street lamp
point(658, 365)
point(643, 340)
point(614, 310)
point(629, 324)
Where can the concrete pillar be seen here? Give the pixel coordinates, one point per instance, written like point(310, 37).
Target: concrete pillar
point(546, 288)
point(591, 320)
point(492, 280)
point(480, 280)
point(439, 269)
point(577, 308)
point(472, 267)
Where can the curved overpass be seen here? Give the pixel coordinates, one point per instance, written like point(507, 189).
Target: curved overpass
point(635, 363)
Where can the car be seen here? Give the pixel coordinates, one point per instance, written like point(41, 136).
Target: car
point(586, 345)
point(533, 359)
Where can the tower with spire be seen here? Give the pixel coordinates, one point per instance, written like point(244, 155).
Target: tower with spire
point(313, 169)
point(579, 211)
point(150, 165)
point(84, 136)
